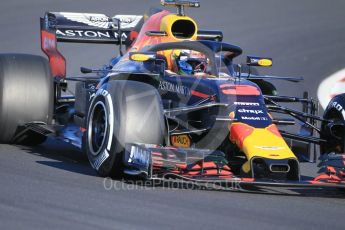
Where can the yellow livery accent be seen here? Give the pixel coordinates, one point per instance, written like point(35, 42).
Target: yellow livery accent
point(179, 27)
point(181, 141)
point(265, 62)
point(246, 167)
point(142, 56)
point(139, 57)
point(264, 143)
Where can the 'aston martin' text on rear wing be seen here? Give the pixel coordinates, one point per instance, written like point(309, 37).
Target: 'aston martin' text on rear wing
point(84, 28)
point(96, 28)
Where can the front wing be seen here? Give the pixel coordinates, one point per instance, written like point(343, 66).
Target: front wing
point(208, 169)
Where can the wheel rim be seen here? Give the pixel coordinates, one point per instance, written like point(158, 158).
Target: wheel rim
point(97, 129)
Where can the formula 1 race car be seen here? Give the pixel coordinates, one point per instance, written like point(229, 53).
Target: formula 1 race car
point(174, 106)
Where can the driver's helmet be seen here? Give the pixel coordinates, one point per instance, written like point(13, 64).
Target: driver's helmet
point(187, 62)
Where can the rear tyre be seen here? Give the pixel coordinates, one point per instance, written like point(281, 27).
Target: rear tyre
point(121, 112)
point(26, 95)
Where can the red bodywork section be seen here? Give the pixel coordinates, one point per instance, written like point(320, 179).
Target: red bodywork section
point(56, 60)
point(332, 169)
point(232, 89)
point(152, 24)
point(189, 165)
point(239, 132)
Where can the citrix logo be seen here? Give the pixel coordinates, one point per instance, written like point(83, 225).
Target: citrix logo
point(250, 111)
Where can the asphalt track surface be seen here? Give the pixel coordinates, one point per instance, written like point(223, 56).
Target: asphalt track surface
point(53, 187)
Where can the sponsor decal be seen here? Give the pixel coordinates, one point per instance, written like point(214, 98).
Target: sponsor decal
point(254, 118)
point(139, 156)
point(98, 18)
point(247, 103)
point(90, 34)
point(56, 60)
point(339, 108)
point(265, 62)
point(129, 21)
point(252, 111)
point(103, 21)
point(83, 33)
point(102, 92)
point(180, 141)
point(49, 43)
point(180, 89)
point(273, 148)
point(101, 158)
point(123, 36)
point(95, 20)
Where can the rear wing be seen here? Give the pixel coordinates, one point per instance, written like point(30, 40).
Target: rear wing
point(84, 28)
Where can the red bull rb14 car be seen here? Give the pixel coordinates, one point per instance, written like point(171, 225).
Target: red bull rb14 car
point(173, 106)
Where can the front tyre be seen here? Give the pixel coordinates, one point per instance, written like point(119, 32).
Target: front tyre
point(121, 112)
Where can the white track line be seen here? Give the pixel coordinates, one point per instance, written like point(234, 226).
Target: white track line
point(331, 86)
